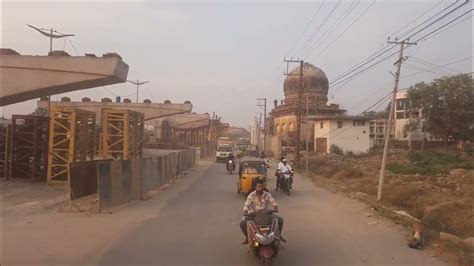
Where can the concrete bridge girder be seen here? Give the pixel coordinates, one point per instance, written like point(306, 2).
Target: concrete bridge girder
point(150, 110)
point(24, 78)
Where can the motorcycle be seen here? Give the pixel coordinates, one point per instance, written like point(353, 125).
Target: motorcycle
point(230, 166)
point(284, 181)
point(267, 163)
point(264, 235)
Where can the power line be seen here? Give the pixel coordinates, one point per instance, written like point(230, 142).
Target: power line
point(367, 61)
point(149, 91)
point(420, 16)
point(427, 63)
point(347, 28)
point(306, 28)
point(73, 47)
point(428, 70)
point(302, 48)
point(427, 20)
point(439, 28)
point(414, 67)
point(344, 78)
point(333, 28)
point(452, 26)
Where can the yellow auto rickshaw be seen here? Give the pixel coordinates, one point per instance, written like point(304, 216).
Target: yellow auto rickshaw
point(250, 168)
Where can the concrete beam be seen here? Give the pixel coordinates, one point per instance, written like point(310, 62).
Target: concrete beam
point(24, 77)
point(150, 110)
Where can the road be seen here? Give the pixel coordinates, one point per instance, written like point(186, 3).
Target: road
point(196, 223)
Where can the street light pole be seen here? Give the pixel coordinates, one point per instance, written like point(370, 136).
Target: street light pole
point(138, 83)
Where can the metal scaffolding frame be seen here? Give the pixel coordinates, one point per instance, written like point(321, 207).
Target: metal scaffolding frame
point(71, 139)
point(122, 134)
point(29, 147)
point(5, 145)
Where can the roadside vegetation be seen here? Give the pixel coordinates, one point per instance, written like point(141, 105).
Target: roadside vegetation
point(435, 186)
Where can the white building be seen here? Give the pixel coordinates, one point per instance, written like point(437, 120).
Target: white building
point(254, 133)
point(405, 116)
point(377, 129)
point(349, 133)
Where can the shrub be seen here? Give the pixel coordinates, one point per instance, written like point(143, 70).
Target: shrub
point(336, 150)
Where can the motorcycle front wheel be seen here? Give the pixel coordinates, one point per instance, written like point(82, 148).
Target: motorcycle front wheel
point(267, 261)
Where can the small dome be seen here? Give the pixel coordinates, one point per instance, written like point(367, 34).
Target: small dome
point(315, 84)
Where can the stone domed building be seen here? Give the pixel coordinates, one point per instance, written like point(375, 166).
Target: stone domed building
point(283, 118)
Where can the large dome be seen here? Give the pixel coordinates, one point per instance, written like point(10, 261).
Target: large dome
point(315, 85)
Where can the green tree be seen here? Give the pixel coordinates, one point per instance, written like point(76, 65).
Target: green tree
point(448, 106)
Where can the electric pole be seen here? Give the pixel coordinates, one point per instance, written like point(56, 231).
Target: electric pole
point(264, 105)
point(298, 102)
point(259, 125)
point(138, 83)
point(307, 134)
point(51, 34)
point(391, 116)
point(210, 128)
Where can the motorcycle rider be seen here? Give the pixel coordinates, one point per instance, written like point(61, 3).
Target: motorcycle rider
point(229, 158)
point(283, 167)
point(256, 201)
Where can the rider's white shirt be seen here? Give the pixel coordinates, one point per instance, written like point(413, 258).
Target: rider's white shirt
point(284, 168)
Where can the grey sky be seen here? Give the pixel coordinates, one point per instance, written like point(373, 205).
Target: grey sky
point(223, 55)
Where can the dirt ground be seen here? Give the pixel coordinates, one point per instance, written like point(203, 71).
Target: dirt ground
point(431, 189)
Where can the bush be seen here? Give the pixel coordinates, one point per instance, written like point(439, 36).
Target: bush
point(429, 163)
point(336, 150)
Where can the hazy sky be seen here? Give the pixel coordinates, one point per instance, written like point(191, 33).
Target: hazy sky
point(222, 55)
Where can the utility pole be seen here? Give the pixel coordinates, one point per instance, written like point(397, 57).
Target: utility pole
point(138, 83)
point(51, 34)
point(264, 105)
point(258, 130)
point(210, 127)
point(298, 103)
point(391, 116)
point(307, 134)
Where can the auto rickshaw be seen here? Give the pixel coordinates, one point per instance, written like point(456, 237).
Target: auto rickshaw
point(249, 169)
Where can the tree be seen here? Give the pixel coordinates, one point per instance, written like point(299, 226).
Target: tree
point(447, 104)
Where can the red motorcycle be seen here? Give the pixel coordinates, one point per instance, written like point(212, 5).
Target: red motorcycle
point(264, 235)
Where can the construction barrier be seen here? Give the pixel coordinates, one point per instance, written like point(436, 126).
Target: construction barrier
point(118, 182)
point(83, 179)
point(173, 164)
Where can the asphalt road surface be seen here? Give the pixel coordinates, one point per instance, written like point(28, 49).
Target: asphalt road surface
point(196, 223)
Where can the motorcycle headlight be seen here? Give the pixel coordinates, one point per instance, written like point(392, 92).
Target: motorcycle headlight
point(265, 239)
point(230, 161)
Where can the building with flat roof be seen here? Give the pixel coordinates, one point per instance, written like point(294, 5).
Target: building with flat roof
point(350, 133)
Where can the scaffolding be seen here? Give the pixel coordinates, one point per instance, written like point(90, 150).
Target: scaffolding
point(71, 139)
point(29, 147)
point(5, 143)
point(122, 134)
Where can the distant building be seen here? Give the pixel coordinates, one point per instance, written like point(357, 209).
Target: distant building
point(404, 116)
point(350, 133)
point(377, 129)
point(254, 133)
point(283, 120)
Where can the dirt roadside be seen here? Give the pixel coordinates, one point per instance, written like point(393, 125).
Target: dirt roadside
point(430, 191)
point(65, 238)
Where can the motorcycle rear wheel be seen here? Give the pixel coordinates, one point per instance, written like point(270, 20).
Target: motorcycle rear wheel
point(267, 261)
